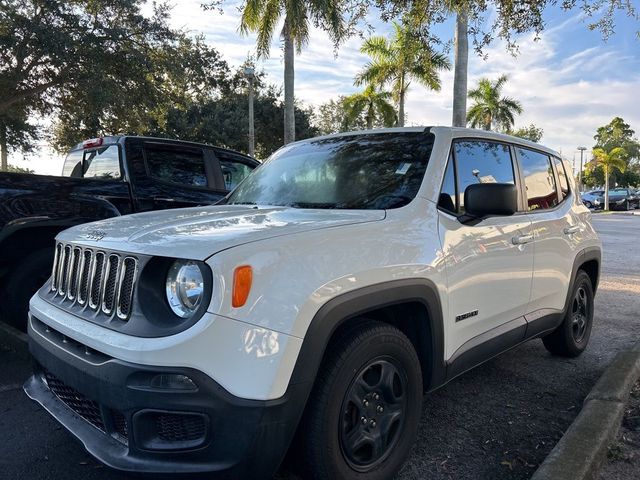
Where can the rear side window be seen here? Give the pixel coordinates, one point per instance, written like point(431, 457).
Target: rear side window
point(184, 166)
point(540, 184)
point(481, 162)
point(102, 163)
point(563, 180)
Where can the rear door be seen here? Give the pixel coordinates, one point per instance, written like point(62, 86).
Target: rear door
point(489, 264)
point(557, 230)
point(171, 175)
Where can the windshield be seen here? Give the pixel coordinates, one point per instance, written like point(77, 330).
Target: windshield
point(369, 171)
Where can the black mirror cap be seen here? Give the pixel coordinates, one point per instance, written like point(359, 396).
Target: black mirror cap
point(487, 199)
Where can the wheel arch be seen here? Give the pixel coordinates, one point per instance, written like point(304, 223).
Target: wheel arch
point(588, 260)
point(417, 299)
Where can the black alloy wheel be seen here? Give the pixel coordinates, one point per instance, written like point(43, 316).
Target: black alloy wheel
point(373, 413)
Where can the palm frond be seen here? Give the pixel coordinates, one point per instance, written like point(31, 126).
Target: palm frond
point(378, 48)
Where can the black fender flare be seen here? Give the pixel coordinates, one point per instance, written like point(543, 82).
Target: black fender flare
point(583, 256)
point(356, 303)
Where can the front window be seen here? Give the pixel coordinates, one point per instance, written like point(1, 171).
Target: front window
point(371, 171)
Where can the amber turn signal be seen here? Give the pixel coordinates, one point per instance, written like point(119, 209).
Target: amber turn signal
point(242, 278)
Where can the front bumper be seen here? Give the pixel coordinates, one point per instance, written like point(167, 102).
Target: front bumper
point(112, 408)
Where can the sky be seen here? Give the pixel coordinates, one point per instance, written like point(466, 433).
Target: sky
point(570, 81)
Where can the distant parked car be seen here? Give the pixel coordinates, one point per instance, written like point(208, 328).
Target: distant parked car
point(622, 199)
point(592, 199)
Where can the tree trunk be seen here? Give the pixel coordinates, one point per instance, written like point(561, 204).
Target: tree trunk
point(3, 147)
point(401, 102)
point(401, 109)
point(289, 108)
point(606, 188)
point(460, 72)
point(370, 115)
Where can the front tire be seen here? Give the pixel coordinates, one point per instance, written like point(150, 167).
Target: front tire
point(362, 416)
point(572, 336)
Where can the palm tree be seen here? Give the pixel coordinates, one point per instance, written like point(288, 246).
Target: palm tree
point(397, 61)
point(263, 16)
point(375, 105)
point(610, 160)
point(490, 109)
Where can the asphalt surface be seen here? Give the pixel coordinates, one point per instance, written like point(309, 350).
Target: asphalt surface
point(498, 421)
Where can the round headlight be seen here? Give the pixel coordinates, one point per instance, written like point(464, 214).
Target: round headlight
point(185, 288)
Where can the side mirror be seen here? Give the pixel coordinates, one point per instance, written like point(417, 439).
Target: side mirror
point(486, 199)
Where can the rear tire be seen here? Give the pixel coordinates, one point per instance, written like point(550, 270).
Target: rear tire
point(572, 336)
point(362, 416)
point(22, 283)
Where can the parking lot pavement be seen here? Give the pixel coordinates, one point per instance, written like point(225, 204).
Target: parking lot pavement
point(498, 421)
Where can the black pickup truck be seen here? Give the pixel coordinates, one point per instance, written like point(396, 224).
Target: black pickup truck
point(101, 178)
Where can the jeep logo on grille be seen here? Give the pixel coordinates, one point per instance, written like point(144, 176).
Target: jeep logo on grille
point(95, 235)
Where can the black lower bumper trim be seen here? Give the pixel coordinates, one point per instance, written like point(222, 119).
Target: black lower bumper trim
point(206, 430)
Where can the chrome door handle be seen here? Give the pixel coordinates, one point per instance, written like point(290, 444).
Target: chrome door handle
point(521, 239)
point(571, 230)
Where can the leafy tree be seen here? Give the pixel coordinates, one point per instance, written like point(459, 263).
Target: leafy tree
point(491, 110)
point(374, 106)
point(610, 160)
point(169, 76)
point(531, 132)
point(223, 121)
point(50, 48)
point(618, 133)
point(16, 133)
point(397, 61)
point(330, 118)
point(263, 16)
point(593, 175)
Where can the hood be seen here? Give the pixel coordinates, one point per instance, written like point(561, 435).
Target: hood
point(197, 233)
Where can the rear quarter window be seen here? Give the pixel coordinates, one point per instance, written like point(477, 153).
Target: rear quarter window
point(563, 180)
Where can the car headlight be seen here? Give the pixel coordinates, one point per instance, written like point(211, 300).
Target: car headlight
point(185, 288)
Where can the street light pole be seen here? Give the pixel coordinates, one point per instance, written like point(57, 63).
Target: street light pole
point(249, 72)
point(582, 149)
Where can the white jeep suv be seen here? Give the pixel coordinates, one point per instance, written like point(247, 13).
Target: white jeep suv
point(345, 277)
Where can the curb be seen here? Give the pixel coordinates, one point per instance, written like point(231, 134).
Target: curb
point(15, 340)
point(583, 448)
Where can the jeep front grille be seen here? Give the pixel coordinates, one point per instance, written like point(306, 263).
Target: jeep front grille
point(100, 281)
